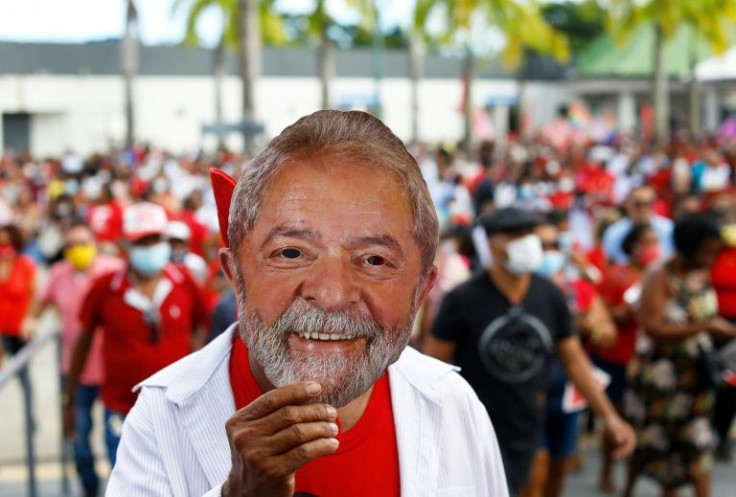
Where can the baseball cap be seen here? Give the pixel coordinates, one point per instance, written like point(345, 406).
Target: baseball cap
point(178, 230)
point(144, 219)
point(508, 220)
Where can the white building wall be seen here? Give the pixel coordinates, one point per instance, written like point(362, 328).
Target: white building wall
point(85, 113)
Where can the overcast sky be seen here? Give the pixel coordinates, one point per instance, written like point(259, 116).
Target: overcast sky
point(85, 20)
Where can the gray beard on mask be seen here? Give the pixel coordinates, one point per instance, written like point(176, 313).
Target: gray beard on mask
point(344, 377)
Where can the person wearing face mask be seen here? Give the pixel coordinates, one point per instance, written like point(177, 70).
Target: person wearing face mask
point(555, 456)
point(67, 283)
point(670, 394)
point(501, 327)
point(621, 289)
point(150, 312)
point(179, 235)
point(17, 282)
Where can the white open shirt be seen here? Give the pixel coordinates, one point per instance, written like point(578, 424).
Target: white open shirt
point(174, 441)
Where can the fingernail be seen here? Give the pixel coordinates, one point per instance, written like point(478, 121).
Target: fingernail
point(313, 388)
point(334, 442)
point(334, 428)
point(331, 412)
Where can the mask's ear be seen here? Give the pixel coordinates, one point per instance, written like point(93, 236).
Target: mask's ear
point(223, 187)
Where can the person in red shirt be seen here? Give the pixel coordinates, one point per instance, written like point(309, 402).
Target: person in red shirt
point(723, 277)
point(105, 218)
point(555, 455)
point(151, 313)
point(620, 289)
point(65, 288)
point(199, 234)
point(17, 286)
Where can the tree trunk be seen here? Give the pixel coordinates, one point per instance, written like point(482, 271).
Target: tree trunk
point(696, 127)
point(661, 89)
point(129, 51)
point(416, 69)
point(468, 76)
point(520, 93)
point(219, 72)
point(249, 48)
point(326, 62)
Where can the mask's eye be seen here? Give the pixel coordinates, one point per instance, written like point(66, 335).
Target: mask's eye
point(290, 253)
point(375, 260)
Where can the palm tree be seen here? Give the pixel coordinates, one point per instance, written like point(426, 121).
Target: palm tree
point(523, 26)
point(243, 31)
point(318, 27)
point(417, 37)
point(129, 59)
point(708, 19)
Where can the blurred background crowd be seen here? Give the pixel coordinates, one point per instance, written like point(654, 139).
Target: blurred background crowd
point(609, 121)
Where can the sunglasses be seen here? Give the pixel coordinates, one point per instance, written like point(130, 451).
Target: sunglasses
point(551, 245)
point(643, 203)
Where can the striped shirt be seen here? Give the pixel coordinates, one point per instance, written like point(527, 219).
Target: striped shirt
point(174, 441)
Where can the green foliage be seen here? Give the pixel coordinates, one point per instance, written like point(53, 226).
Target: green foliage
point(520, 21)
point(582, 22)
point(272, 25)
point(710, 19)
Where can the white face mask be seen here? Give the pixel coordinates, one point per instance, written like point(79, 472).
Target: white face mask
point(524, 254)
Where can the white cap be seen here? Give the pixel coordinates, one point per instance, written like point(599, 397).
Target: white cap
point(178, 231)
point(144, 219)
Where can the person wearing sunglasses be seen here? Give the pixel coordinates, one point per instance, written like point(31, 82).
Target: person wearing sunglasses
point(639, 209)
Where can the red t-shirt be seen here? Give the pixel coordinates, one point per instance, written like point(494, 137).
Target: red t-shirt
point(367, 460)
point(15, 295)
point(129, 353)
point(616, 281)
point(723, 276)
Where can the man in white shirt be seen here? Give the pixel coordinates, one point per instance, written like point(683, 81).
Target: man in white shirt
point(331, 238)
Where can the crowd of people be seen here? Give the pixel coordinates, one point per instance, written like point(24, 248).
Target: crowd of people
point(571, 273)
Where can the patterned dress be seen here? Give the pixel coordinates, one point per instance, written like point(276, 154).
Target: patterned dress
point(669, 399)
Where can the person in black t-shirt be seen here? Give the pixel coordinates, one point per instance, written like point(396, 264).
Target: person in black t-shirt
point(501, 327)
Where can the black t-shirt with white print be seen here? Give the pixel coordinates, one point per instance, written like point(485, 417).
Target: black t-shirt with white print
point(503, 350)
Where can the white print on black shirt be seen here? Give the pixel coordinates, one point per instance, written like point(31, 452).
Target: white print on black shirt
point(514, 347)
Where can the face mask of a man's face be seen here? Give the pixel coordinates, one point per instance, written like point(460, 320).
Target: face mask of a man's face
point(344, 377)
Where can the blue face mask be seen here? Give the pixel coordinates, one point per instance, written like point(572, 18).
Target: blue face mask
point(564, 240)
point(151, 259)
point(552, 262)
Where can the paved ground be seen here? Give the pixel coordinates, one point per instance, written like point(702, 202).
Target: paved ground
point(48, 445)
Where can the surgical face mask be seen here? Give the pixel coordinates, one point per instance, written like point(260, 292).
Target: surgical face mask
point(81, 256)
point(151, 259)
point(649, 255)
point(526, 192)
point(552, 262)
point(564, 240)
point(7, 251)
point(524, 255)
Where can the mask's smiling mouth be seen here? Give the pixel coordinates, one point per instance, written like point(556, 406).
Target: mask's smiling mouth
point(325, 337)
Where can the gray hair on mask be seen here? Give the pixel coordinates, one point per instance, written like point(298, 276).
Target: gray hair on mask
point(331, 133)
